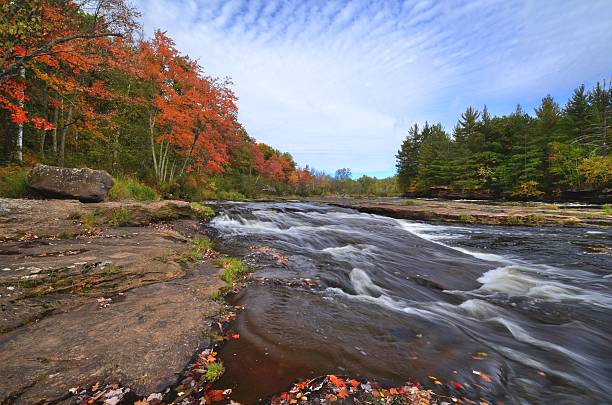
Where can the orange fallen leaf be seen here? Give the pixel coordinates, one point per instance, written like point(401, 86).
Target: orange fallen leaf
point(215, 395)
point(355, 383)
point(485, 377)
point(235, 336)
point(338, 382)
point(343, 393)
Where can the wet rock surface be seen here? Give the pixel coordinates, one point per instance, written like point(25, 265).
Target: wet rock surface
point(476, 211)
point(100, 302)
point(83, 184)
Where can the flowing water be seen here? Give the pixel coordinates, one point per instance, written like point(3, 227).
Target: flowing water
point(530, 309)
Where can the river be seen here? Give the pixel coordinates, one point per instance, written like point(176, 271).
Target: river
point(504, 314)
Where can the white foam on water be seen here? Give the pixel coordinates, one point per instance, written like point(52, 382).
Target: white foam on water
point(425, 231)
point(363, 284)
point(243, 225)
point(514, 281)
point(352, 252)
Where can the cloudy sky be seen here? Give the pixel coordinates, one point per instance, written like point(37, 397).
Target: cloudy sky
point(337, 83)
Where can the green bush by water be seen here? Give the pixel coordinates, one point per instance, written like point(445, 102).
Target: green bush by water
point(130, 189)
point(233, 269)
point(202, 211)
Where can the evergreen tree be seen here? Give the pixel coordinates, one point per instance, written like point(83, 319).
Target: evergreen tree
point(600, 99)
point(407, 158)
point(434, 165)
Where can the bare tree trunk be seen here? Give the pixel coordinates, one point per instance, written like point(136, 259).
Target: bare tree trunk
point(152, 137)
point(67, 124)
point(55, 123)
point(20, 128)
point(196, 135)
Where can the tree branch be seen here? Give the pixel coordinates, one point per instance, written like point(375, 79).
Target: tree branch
point(13, 69)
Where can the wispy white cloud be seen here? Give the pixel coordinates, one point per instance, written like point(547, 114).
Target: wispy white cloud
point(337, 83)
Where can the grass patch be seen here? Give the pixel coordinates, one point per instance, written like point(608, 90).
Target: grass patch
point(231, 196)
point(233, 269)
point(90, 220)
point(197, 250)
point(130, 189)
point(549, 206)
point(467, 218)
point(410, 202)
point(202, 211)
point(607, 209)
point(13, 183)
point(65, 234)
point(514, 220)
point(119, 217)
point(214, 371)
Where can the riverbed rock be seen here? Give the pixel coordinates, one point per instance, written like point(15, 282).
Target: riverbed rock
point(112, 304)
point(83, 184)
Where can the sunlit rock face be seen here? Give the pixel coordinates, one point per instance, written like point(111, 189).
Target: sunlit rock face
point(83, 184)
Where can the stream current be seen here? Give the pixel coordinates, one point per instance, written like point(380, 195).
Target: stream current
point(528, 308)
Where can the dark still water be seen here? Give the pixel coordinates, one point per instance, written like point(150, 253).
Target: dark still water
point(512, 314)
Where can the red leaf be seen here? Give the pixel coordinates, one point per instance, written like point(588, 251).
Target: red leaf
point(456, 385)
point(343, 393)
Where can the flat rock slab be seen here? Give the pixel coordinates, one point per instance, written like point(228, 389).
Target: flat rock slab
point(21, 218)
point(113, 304)
point(142, 340)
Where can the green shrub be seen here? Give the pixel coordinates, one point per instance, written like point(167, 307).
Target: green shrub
point(214, 371)
point(199, 246)
point(607, 209)
point(13, 182)
point(130, 189)
point(230, 195)
point(119, 216)
point(90, 220)
point(233, 269)
point(202, 211)
point(65, 234)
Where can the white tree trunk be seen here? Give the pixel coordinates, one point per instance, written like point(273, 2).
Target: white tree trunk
point(20, 129)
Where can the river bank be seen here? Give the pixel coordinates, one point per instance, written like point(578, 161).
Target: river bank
point(106, 292)
point(476, 211)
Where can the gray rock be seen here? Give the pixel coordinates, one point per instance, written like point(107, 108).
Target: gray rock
point(85, 185)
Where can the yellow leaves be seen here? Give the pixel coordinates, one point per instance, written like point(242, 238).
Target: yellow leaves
point(435, 380)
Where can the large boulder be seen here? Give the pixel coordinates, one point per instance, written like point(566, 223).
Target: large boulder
point(85, 185)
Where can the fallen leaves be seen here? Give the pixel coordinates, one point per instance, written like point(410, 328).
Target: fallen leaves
point(331, 388)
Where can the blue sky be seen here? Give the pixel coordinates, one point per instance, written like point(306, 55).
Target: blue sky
point(338, 83)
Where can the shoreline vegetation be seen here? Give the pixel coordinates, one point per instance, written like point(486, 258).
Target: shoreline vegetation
point(86, 90)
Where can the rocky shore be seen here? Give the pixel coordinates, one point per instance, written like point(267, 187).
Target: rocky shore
point(99, 292)
point(476, 212)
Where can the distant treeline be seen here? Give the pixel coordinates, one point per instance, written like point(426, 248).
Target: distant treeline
point(559, 150)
